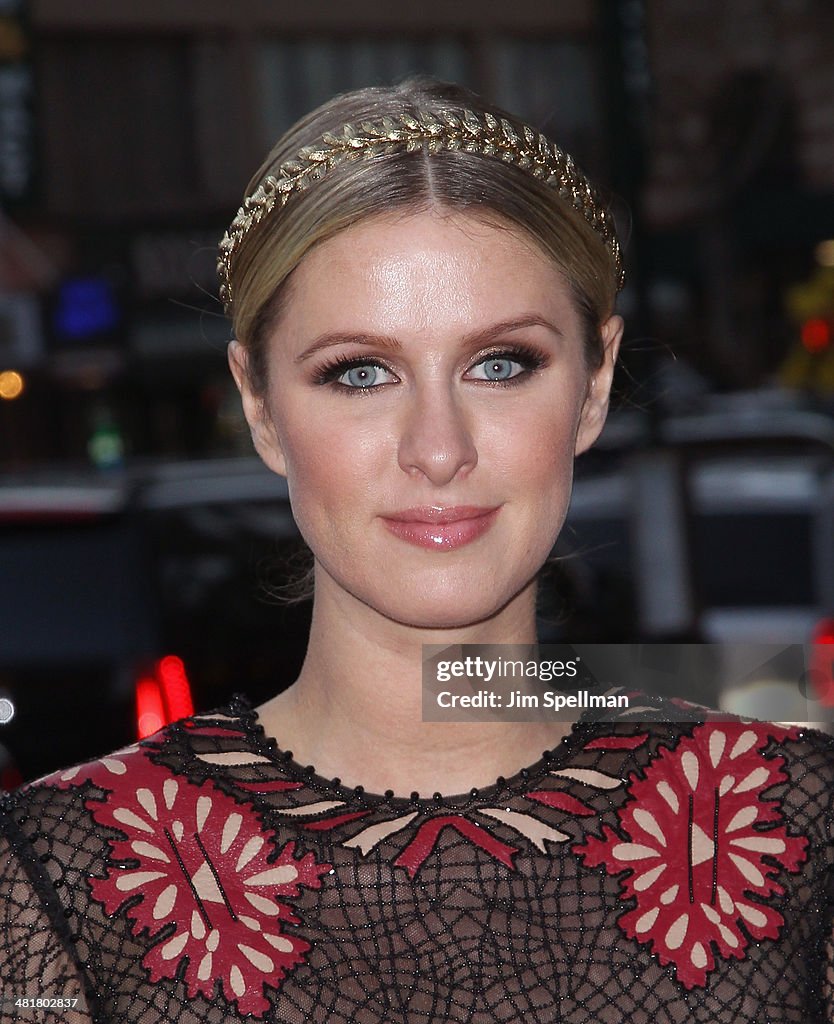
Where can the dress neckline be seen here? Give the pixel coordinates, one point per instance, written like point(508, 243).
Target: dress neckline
point(267, 746)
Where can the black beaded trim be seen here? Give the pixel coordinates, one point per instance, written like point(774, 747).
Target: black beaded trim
point(581, 731)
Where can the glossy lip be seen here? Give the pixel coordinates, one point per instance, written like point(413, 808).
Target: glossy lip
point(441, 528)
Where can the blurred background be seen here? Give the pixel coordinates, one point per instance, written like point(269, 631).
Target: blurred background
point(142, 544)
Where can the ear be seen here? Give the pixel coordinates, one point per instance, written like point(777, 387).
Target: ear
point(595, 407)
point(264, 434)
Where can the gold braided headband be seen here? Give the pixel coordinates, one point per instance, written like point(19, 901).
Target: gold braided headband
point(464, 130)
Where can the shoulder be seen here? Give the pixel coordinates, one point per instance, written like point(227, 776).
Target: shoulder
point(784, 770)
point(137, 759)
point(65, 809)
point(727, 738)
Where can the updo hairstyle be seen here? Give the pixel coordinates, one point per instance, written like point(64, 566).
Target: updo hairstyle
point(407, 182)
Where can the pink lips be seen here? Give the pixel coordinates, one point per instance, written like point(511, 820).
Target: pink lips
point(441, 529)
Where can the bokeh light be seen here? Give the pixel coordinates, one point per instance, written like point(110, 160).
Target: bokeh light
point(11, 385)
point(824, 253)
point(7, 710)
point(816, 335)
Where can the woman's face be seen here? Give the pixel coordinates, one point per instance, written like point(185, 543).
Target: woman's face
point(427, 395)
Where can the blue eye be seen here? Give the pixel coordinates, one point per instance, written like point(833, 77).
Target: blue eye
point(510, 365)
point(497, 368)
point(359, 376)
point(362, 376)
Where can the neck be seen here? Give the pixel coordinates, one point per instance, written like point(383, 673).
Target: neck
point(356, 709)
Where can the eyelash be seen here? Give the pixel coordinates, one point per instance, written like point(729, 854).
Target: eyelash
point(530, 360)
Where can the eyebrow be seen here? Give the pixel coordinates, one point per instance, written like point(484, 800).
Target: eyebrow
point(475, 339)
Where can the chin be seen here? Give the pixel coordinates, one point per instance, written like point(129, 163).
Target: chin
point(430, 596)
point(456, 605)
point(453, 617)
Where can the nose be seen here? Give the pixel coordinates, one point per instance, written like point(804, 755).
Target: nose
point(436, 440)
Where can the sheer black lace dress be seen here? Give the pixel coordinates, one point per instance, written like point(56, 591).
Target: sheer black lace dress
point(643, 871)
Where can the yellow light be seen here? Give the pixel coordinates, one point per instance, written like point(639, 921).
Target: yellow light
point(11, 385)
point(824, 253)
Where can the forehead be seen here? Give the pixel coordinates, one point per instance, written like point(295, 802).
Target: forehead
point(425, 271)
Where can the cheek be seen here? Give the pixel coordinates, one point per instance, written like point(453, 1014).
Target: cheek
point(536, 445)
point(331, 465)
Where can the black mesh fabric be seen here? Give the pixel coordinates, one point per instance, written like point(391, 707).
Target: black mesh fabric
point(645, 870)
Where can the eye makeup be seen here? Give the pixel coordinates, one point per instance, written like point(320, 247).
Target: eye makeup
point(529, 358)
point(330, 372)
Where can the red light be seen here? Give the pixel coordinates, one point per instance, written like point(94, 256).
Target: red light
point(150, 712)
point(824, 632)
point(816, 335)
point(176, 690)
point(822, 662)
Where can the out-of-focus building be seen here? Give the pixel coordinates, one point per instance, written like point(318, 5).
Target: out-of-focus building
point(130, 132)
point(740, 182)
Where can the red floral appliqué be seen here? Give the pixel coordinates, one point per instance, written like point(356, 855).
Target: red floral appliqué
point(211, 883)
point(699, 841)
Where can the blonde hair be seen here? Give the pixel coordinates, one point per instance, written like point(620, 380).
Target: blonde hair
point(406, 182)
